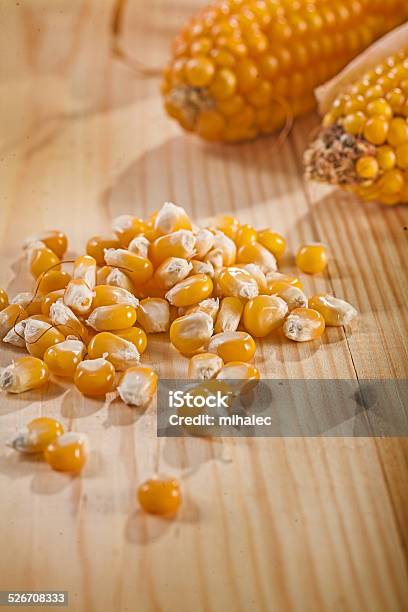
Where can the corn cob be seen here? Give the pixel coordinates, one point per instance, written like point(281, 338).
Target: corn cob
point(362, 145)
point(240, 68)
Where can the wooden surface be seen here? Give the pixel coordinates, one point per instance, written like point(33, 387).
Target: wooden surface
point(266, 524)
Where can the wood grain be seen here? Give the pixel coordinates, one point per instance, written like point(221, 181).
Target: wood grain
point(266, 524)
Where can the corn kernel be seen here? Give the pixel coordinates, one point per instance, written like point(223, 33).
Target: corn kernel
point(53, 280)
point(37, 435)
point(210, 306)
point(120, 352)
point(386, 157)
point(54, 240)
point(229, 315)
point(135, 335)
point(24, 374)
point(85, 269)
point(68, 453)
point(153, 314)
point(336, 312)
point(39, 336)
point(354, 123)
point(367, 167)
point(3, 300)
point(95, 377)
point(236, 282)
point(178, 244)
point(191, 332)
point(67, 322)
point(127, 227)
point(139, 246)
point(227, 246)
point(271, 277)
point(232, 346)
point(9, 317)
point(78, 296)
point(30, 302)
point(138, 386)
point(227, 224)
point(246, 234)
point(171, 218)
point(402, 156)
point(109, 318)
point(376, 130)
point(257, 254)
point(62, 358)
point(15, 335)
point(242, 377)
point(275, 243)
point(202, 267)
point(160, 497)
point(190, 291)
point(50, 299)
point(292, 295)
point(263, 314)
point(215, 257)
point(398, 132)
point(95, 247)
point(204, 242)
point(171, 271)
point(107, 295)
point(311, 258)
point(304, 324)
point(138, 269)
point(41, 259)
point(115, 278)
point(204, 366)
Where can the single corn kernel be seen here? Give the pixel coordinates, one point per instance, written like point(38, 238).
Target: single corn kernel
point(312, 258)
point(139, 246)
point(336, 312)
point(50, 299)
point(215, 257)
point(95, 377)
point(304, 324)
point(271, 277)
point(108, 318)
point(204, 366)
point(85, 269)
point(37, 435)
point(195, 406)
point(138, 386)
point(367, 167)
point(246, 234)
point(232, 346)
point(95, 247)
point(398, 132)
point(236, 282)
point(160, 497)
point(115, 278)
point(67, 322)
point(153, 314)
point(171, 218)
point(227, 246)
point(191, 332)
point(138, 269)
point(190, 291)
point(202, 267)
point(257, 254)
point(204, 242)
point(9, 317)
point(242, 377)
point(53, 280)
point(53, 239)
point(210, 306)
point(68, 453)
point(227, 224)
point(30, 302)
point(171, 271)
point(127, 227)
point(24, 374)
point(107, 295)
point(135, 335)
point(16, 335)
point(178, 244)
point(376, 130)
point(263, 314)
point(62, 358)
point(3, 300)
point(292, 295)
point(229, 315)
point(275, 243)
point(256, 272)
point(41, 259)
point(120, 352)
point(78, 296)
point(39, 336)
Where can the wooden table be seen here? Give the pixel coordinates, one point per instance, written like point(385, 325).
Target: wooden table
point(267, 524)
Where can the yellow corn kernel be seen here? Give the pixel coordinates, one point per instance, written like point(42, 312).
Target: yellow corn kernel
point(95, 247)
point(85, 269)
point(241, 376)
point(138, 269)
point(195, 406)
point(15, 335)
point(78, 296)
point(54, 240)
point(304, 324)
point(171, 218)
point(120, 352)
point(135, 335)
point(256, 272)
point(137, 386)
point(210, 306)
point(53, 280)
point(153, 314)
point(41, 259)
point(24, 374)
point(402, 156)
point(232, 346)
point(67, 322)
point(229, 315)
point(49, 299)
point(30, 302)
point(367, 167)
point(227, 224)
point(292, 295)
point(246, 234)
point(178, 244)
point(107, 295)
point(257, 254)
point(191, 332)
point(139, 246)
point(127, 227)
point(160, 497)
point(311, 258)
point(336, 312)
point(275, 243)
point(190, 291)
point(115, 278)
point(398, 132)
point(115, 316)
point(236, 282)
point(263, 314)
point(62, 358)
point(204, 242)
point(204, 366)
point(39, 336)
point(9, 317)
point(227, 246)
point(68, 452)
point(37, 435)
point(376, 130)
point(4, 302)
point(215, 258)
point(171, 271)
point(271, 277)
point(95, 377)
point(202, 267)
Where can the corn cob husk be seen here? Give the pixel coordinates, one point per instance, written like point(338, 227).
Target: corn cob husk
point(240, 67)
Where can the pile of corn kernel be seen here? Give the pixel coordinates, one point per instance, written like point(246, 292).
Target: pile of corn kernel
point(214, 289)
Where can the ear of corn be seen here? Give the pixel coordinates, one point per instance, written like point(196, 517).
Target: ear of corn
point(240, 67)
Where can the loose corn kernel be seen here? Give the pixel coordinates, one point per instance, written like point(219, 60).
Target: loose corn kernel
point(68, 453)
point(232, 346)
point(53, 280)
point(24, 374)
point(171, 218)
point(311, 258)
point(257, 254)
point(204, 242)
point(41, 259)
point(292, 295)
point(107, 295)
point(229, 315)
point(204, 366)
point(153, 314)
point(227, 224)
point(246, 234)
point(202, 267)
point(171, 271)
point(78, 296)
point(117, 278)
point(67, 322)
point(127, 227)
point(138, 386)
point(95, 377)
point(304, 324)
point(39, 336)
point(54, 240)
point(95, 247)
point(9, 317)
point(271, 277)
point(4, 302)
point(50, 299)
point(191, 332)
point(120, 352)
point(135, 335)
point(139, 246)
point(227, 246)
point(215, 257)
point(256, 272)
point(138, 269)
point(236, 282)
point(30, 302)
point(190, 291)
point(178, 244)
point(275, 243)
point(85, 269)
point(336, 312)
point(160, 497)
point(16, 335)
point(242, 377)
point(210, 306)
point(115, 316)
point(37, 435)
point(62, 358)
point(263, 314)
